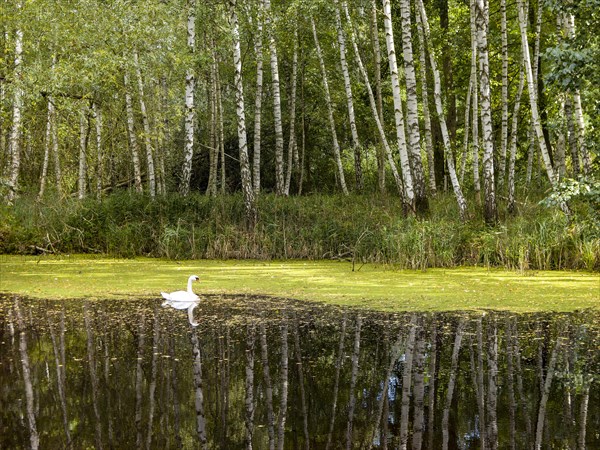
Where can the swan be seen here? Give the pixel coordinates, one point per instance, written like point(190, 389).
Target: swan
point(184, 300)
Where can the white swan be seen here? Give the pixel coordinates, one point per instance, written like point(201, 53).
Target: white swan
point(184, 300)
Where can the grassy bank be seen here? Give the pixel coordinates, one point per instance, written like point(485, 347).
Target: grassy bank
point(355, 228)
point(333, 282)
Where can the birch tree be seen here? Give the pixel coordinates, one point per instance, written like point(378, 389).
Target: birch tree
point(276, 92)
point(412, 113)
point(258, 50)
point(437, 94)
point(133, 143)
point(247, 188)
point(349, 98)
point(146, 124)
point(336, 146)
point(409, 193)
point(375, 106)
point(14, 143)
point(292, 144)
point(190, 86)
point(504, 102)
point(490, 212)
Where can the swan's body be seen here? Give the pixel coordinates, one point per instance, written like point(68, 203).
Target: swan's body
point(183, 300)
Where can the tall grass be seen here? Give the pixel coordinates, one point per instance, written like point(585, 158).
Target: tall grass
point(360, 229)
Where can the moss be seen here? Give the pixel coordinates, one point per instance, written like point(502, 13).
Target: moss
point(371, 286)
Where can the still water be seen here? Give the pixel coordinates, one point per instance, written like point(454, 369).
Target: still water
point(271, 373)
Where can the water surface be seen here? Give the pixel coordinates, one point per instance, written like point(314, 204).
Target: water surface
point(130, 374)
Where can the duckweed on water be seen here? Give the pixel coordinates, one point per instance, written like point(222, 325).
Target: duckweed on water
point(368, 286)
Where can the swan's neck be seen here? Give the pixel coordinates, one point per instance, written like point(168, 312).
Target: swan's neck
point(190, 286)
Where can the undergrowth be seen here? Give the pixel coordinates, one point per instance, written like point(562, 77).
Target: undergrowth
point(360, 229)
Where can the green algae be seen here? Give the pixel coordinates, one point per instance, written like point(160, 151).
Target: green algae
point(333, 282)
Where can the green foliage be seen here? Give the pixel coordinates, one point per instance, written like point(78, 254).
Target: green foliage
point(358, 229)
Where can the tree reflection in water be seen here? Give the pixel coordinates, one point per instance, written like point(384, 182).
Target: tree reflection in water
point(268, 373)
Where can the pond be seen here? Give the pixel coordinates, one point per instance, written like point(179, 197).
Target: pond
point(275, 373)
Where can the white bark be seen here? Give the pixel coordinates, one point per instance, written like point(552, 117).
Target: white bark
point(409, 193)
point(190, 112)
point(490, 212)
point(412, 108)
point(279, 173)
point(437, 94)
point(532, 95)
point(353, 378)
point(374, 105)
point(513, 143)
point(475, 94)
point(34, 437)
point(133, 143)
point(349, 99)
point(504, 129)
point(258, 49)
point(336, 146)
point(14, 147)
point(545, 394)
point(97, 113)
point(377, 75)
point(292, 146)
point(83, 134)
point(49, 119)
point(146, 124)
point(425, 102)
point(241, 119)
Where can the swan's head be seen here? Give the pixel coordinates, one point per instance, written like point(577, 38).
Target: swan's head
point(194, 278)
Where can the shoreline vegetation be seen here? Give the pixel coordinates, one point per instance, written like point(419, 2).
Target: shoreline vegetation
point(357, 229)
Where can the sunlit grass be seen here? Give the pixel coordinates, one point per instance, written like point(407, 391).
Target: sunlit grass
point(371, 286)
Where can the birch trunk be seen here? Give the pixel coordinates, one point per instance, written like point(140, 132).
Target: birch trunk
point(419, 393)
point(377, 115)
point(338, 367)
point(133, 143)
point(139, 374)
point(91, 351)
point(533, 97)
point(83, 134)
point(213, 151)
point(463, 162)
point(258, 49)
point(451, 382)
point(49, 118)
point(462, 204)
point(336, 147)
point(14, 144)
point(298, 353)
point(513, 143)
point(60, 377)
point(55, 153)
point(249, 386)
point(475, 94)
point(349, 99)
point(249, 198)
point(223, 179)
point(545, 394)
point(292, 146)
point(268, 386)
point(34, 438)
point(406, 383)
point(198, 386)
point(572, 140)
point(504, 119)
point(583, 413)
point(152, 387)
point(425, 103)
point(146, 124)
point(353, 378)
point(279, 172)
point(284, 385)
point(381, 156)
point(189, 110)
point(412, 109)
point(490, 212)
point(409, 194)
point(492, 393)
point(97, 114)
